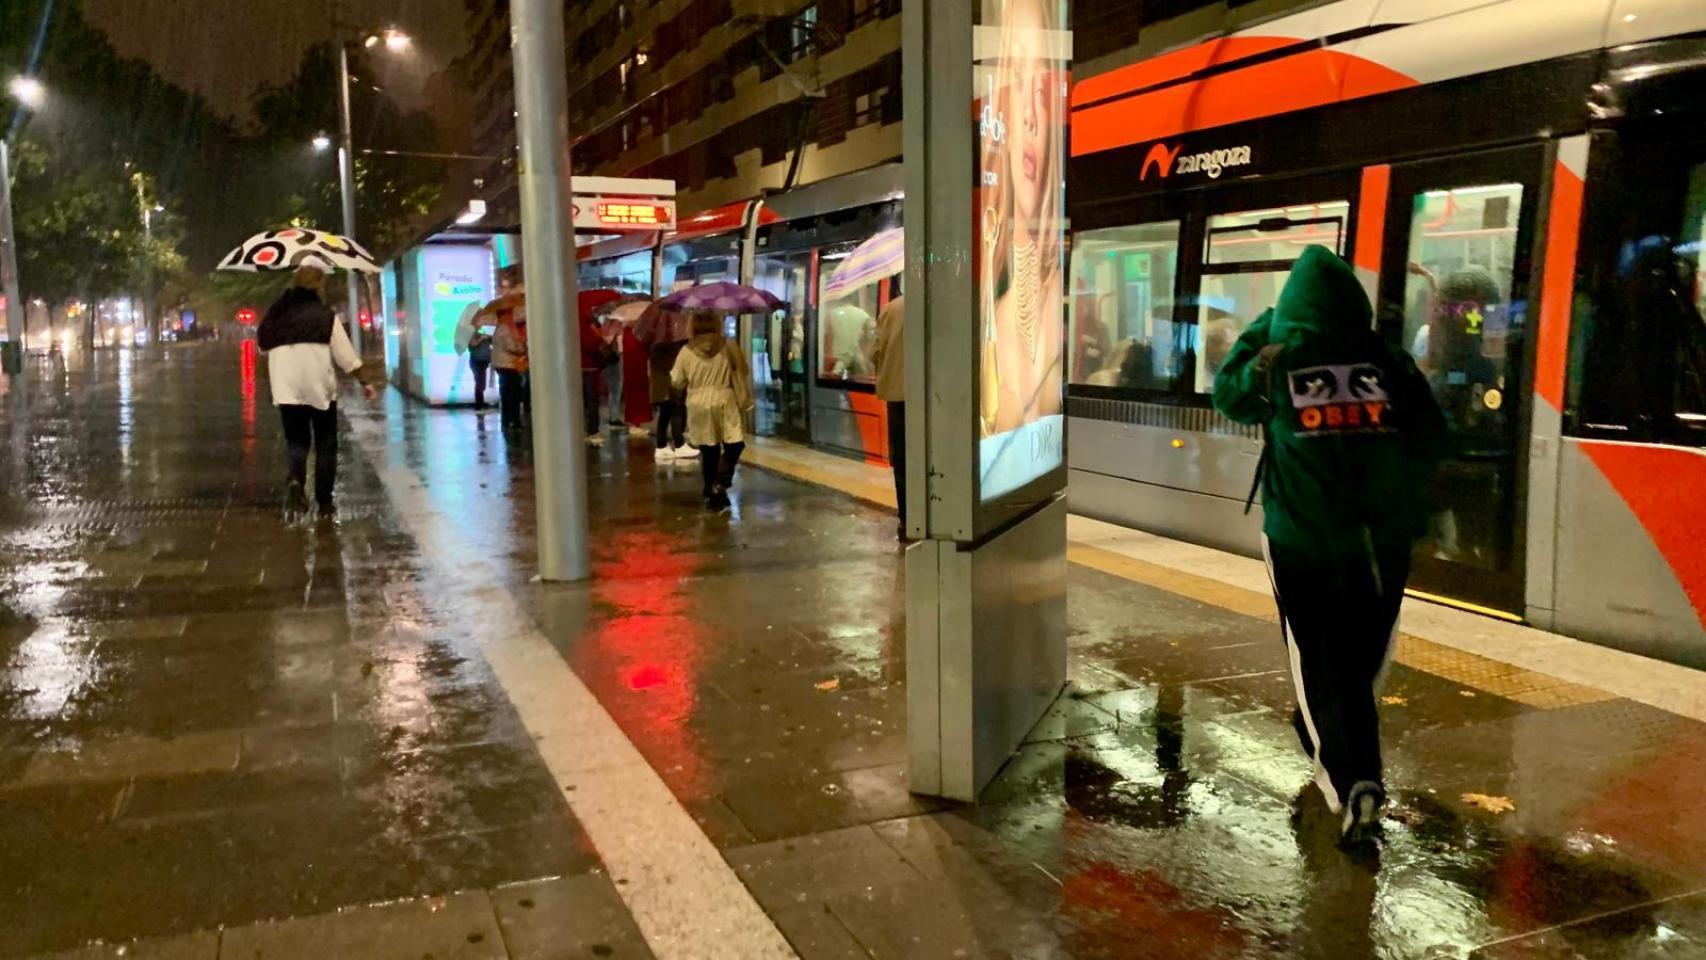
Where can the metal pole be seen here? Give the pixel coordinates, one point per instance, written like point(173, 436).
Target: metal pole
point(346, 183)
point(548, 264)
point(9, 256)
point(147, 269)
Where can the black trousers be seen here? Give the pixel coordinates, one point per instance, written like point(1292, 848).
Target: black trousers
point(717, 465)
point(512, 396)
point(589, 399)
point(897, 454)
point(1338, 616)
point(671, 424)
point(306, 428)
point(480, 380)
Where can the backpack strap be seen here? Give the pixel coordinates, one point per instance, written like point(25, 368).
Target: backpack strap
point(1267, 442)
point(1261, 467)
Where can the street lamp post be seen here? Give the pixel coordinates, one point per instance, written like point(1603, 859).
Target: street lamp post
point(9, 259)
point(28, 92)
point(346, 185)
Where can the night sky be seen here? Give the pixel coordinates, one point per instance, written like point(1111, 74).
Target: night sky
point(224, 49)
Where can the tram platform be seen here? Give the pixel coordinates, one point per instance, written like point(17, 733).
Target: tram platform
point(227, 734)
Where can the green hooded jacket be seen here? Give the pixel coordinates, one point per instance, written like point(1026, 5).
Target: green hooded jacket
point(1353, 432)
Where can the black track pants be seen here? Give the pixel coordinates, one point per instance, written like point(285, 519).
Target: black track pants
point(1338, 616)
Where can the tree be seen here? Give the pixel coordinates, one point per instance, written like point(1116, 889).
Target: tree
point(390, 190)
point(79, 235)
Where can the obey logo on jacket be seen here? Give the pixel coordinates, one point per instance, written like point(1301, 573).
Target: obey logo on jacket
point(1339, 398)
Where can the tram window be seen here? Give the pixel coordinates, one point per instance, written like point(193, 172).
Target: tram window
point(1246, 259)
point(1462, 260)
point(1120, 314)
point(1465, 332)
point(1640, 337)
point(846, 326)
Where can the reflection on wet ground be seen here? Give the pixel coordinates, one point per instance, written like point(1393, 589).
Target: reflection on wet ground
point(211, 716)
point(757, 661)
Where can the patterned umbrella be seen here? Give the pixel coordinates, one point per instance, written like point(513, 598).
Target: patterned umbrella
point(294, 247)
point(657, 326)
point(722, 297)
point(884, 255)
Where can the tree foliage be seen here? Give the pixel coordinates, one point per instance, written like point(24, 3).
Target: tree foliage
point(113, 123)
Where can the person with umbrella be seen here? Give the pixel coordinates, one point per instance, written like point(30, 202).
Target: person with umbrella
point(305, 347)
point(509, 345)
point(719, 391)
point(477, 344)
point(663, 335)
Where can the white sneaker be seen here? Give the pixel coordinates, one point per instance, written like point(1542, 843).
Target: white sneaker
point(686, 452)
point(663, 454)
point(596, 439)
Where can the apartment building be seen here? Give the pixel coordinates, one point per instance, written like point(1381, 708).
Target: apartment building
point(717, 94)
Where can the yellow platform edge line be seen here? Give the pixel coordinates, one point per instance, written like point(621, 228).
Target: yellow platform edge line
point(1484, 674)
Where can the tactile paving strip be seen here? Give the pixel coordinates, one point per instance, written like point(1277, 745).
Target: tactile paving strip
point(1479, 673)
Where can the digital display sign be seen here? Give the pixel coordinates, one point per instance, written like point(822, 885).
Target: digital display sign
point(616, 214)
point(620, 213)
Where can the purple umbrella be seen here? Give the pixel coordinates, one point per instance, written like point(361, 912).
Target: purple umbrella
point(884, 255)
point(722, 297)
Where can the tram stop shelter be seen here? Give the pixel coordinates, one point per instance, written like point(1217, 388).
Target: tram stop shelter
point(426, 287)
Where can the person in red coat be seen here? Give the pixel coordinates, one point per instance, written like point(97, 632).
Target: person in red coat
point(593, 354)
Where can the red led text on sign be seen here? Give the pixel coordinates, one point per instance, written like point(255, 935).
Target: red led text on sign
point(633, 214)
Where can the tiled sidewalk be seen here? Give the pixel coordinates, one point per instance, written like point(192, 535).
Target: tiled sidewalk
point(211, 716)
point(756, 660)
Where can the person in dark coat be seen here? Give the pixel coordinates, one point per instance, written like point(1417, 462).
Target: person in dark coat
point(1353, 435)
point(305, 347)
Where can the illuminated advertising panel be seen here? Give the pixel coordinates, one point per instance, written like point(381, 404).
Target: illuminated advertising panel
point(451, 277)
point(1022, 53)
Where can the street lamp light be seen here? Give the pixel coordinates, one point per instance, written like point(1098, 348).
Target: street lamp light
point(27, 90)
point(397, 41)
point(322, 143)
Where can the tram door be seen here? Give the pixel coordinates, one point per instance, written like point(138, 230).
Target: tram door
point(1455, 293)
point(779, 365)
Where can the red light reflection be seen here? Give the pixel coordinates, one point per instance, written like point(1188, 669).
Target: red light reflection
point(643, 657)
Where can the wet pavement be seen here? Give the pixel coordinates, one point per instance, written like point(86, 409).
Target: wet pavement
point(212, 717)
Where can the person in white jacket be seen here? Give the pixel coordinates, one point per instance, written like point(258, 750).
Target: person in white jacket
point(718, 382)
point(305, 347)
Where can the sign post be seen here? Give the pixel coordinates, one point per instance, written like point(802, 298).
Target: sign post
point(985, 245)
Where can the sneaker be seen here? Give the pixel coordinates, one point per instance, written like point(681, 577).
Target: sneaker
point(1361, 817)
point(295, 498)
point(718, 501)
point(596, 439)
point(663, 455)
point(686, 452)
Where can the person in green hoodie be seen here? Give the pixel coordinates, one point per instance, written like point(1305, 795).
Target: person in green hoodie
point(1353, 437)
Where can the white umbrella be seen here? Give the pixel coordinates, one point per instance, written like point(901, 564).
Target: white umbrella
point(465, 327)
point(628, 312)
point(295, 247)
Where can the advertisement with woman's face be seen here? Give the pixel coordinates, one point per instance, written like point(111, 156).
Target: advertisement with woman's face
point(1023, 55)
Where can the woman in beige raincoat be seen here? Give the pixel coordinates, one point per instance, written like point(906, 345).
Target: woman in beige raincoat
point(718, 382)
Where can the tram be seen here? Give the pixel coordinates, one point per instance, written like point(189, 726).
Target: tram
point(1520, 183)
point(1522, 186)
